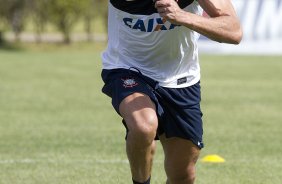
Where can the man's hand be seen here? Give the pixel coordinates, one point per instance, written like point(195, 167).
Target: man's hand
point(169, 10)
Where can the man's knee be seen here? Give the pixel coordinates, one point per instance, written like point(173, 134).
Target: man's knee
point(142, 128)
point(187, 176)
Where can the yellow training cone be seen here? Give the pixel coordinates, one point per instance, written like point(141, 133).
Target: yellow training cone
point(213, 159)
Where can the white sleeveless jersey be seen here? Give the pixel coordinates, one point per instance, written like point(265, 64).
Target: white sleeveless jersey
point(138, 37)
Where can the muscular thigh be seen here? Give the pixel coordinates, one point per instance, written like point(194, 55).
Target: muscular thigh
point(138, 110)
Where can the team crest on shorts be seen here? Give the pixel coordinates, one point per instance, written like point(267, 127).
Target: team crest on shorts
point(129, 82)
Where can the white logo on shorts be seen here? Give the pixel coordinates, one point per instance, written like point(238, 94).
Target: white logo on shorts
point(129, 83)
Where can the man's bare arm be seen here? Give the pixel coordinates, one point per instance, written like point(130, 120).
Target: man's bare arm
point(222, 25)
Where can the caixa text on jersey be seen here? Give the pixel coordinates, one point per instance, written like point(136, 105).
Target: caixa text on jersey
point(149, 25)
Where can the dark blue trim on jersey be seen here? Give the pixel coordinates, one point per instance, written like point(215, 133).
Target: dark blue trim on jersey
point(142, 7)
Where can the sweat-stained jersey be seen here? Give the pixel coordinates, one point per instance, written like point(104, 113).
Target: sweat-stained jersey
point(140, 38)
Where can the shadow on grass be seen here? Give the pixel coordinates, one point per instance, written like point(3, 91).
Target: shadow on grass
point(52, 47)
point(7, 46)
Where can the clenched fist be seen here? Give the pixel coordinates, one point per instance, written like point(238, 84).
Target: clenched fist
point(169, 10)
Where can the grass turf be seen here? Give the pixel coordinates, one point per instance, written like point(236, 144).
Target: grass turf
point(57, 127)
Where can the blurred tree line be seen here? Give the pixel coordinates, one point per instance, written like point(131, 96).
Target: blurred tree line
point(63, 14)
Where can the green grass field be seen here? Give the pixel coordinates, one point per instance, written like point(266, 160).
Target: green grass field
point(57, 127)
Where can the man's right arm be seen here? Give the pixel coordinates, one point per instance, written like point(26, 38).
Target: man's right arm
point(222, 25)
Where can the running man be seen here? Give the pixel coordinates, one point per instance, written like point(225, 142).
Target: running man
point(151, 71)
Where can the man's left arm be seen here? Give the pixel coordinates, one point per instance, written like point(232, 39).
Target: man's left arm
point(222, 26)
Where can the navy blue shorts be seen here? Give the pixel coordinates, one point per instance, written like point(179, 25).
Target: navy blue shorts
point(178, 109)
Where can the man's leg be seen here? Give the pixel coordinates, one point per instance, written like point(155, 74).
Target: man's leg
point(139, 113)
point(180, 160)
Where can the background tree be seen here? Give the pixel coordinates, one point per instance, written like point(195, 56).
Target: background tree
point(15, 14)
point(88, 17)
point(64, 14)
point(2, 15)
point(101, 10)
point(39, 16)
point(95, 9)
